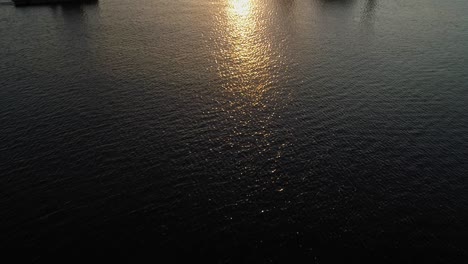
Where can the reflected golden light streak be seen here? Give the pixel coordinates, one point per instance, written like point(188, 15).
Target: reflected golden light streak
point(247, 63)
point(240, 7)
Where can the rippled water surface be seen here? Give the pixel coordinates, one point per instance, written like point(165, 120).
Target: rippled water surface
point(236, 129)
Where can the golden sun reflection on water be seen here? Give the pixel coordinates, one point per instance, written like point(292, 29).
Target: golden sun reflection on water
point(240, 7)
point(247, 60)
point(249, 65)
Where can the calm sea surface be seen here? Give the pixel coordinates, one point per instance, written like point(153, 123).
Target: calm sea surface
point(236, 129)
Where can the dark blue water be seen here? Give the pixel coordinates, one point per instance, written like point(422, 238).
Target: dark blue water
point(236, 130)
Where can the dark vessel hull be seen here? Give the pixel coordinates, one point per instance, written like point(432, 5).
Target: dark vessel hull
point(45, 2)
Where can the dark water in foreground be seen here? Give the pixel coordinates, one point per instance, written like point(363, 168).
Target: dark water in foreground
point(236, 129)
